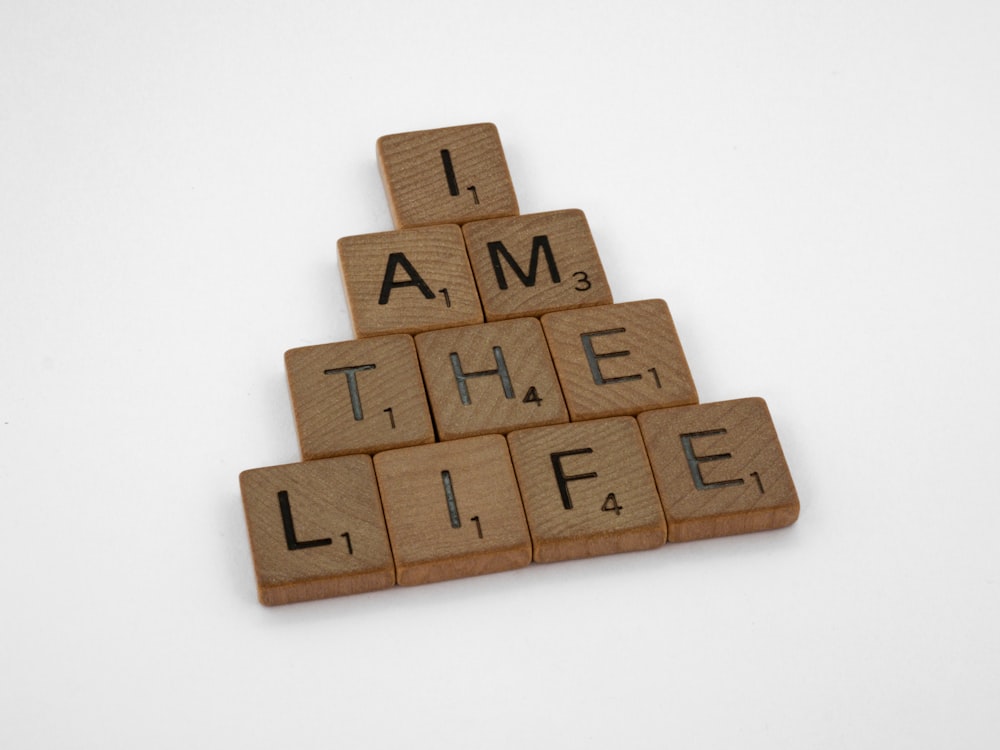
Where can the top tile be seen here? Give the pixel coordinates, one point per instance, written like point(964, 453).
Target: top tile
point(446, 176)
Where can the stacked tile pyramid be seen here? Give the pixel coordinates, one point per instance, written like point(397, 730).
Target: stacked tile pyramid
point(497, 408)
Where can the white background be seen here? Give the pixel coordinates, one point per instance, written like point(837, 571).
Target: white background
point(814, 190)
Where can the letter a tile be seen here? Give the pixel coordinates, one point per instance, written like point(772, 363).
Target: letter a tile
point(619, 359)
point(453, 510)
point(316, 530)
point(446, 176)
point(408, 281)
point(719, 469)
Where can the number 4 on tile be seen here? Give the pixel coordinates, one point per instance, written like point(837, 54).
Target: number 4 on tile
point(611, 504)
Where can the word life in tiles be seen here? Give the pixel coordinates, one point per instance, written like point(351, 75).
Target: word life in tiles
point(497, 406)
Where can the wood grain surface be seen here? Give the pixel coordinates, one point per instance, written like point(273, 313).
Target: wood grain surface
point(480, 399)
point(618, 359)
point(316, 530)
point(536, 263)
point(358, 396)
point(408, 281)
point(453, 510)
point(587, 489)
point(446, 175)
point(719, 469)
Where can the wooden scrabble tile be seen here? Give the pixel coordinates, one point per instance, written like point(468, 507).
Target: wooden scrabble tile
point(489, 378)
point(618, 359)
point(452, 510)
point(536, 263)
point(408, 281)
point(719, 468)
point(446, 176)
point(358, 396)
point(587, 489)
point(316, 530)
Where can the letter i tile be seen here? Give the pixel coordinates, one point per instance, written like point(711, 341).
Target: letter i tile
point(316, 530)
point(453, 510)
point(719, 469)
point(446, 175)
point(587, 489)
point(358, 396)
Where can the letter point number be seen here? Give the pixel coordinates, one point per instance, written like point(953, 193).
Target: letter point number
point(611, 504)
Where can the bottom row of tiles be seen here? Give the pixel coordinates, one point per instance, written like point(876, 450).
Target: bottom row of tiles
point(459, 508)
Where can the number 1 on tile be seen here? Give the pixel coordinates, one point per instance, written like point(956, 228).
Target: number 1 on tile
point(449, 175)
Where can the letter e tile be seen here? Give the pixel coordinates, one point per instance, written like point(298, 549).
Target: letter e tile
point(618, 359)
point(453, 510)
point(587, 489)
point(719, 469)
point(316, 530)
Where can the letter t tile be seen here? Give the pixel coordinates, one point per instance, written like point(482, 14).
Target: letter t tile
point(358, 396)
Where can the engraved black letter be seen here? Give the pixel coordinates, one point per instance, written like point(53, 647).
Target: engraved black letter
point(694, 460)
point(286, 520)
point(352, 386)
point(592, 357)
point(528, 279)
point(389, 283)
point(449, 172)
point(461, 377)
point(562, 480)
point(449, 498)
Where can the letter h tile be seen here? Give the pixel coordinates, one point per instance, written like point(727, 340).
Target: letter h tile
point(490, 378)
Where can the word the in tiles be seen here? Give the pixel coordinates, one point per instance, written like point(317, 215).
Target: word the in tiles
point(497, 407)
